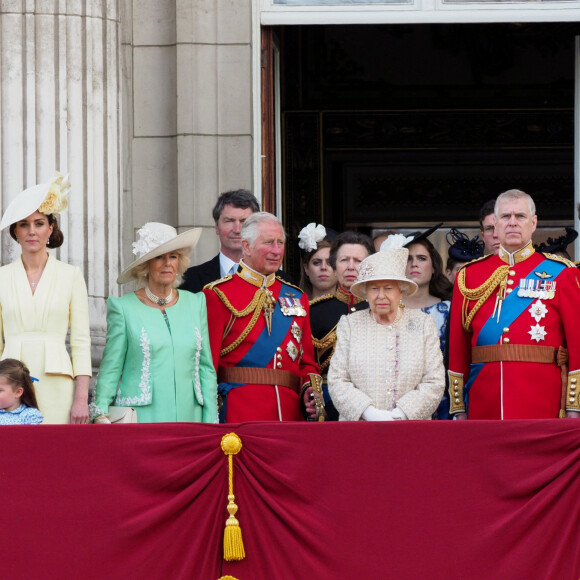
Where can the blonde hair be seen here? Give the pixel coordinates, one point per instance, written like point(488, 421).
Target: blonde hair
point(141, 272)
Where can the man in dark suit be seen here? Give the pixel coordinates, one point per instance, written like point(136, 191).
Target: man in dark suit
point(229, 213)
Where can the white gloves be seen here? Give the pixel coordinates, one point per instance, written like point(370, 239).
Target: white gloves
point(371, 413)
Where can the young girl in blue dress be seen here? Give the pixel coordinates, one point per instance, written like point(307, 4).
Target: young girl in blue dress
point(18, 404)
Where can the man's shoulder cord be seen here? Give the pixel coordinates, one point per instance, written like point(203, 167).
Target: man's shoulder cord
point(555, 258)
point(481, 293)
point(255, 306)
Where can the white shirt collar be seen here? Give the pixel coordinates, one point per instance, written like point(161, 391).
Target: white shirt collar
point(225, 265)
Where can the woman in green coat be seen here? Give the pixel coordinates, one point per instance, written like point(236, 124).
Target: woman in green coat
point(157, 357)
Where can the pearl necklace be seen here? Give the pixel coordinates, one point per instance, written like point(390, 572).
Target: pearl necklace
point(156, 299)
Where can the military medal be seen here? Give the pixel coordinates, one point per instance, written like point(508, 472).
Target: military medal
point(538, 310)
point(291, 306)
point(292, 350)
point(296, 332)
point(537, 332)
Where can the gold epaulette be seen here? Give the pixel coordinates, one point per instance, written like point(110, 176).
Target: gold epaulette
point(476, 260)
point(479, 294)
point(211, 285)
point(289, 284)
point(321, 299)
point(553, 257)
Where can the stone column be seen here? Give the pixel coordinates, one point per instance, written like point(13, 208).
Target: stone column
point(60, 109)
point(214, 109)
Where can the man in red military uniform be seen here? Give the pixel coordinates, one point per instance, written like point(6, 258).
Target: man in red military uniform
point(260, 334)
point(513, 315)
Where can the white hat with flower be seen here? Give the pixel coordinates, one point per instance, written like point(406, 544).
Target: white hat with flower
point(47, 198)
point(155, 239)
point(389, 263)
point(310, 235)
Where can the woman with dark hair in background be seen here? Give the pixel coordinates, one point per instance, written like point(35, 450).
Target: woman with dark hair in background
point(317, 277)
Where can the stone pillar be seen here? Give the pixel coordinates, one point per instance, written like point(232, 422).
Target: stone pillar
point(60, 109)
point(188, 88)
point(214, 109)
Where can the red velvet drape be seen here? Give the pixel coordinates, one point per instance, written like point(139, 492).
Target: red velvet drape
point(465, 500)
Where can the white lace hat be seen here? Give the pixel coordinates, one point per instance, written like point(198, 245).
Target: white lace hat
point(155, 239)
point(47, 198)
point(387, 264)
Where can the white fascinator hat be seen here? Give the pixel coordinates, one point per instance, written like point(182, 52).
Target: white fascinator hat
point(48, 198)
point(155, 239)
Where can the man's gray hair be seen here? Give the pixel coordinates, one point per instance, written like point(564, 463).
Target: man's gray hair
point(251, 227)
point(511, 194)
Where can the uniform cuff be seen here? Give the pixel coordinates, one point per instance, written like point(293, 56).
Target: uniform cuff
point(456, 402)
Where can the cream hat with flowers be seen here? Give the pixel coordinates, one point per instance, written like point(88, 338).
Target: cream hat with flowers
point(47, 198)
point(155, 239)
point(389, 263)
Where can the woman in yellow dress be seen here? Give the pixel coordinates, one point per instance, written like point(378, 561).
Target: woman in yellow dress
point(40, 299)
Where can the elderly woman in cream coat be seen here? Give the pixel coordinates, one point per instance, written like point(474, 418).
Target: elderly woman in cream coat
point(388, 363)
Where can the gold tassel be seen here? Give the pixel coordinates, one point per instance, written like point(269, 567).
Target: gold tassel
point(233, 544)
point(228, 577)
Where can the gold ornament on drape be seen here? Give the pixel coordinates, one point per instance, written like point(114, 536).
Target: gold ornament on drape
point(233, 545)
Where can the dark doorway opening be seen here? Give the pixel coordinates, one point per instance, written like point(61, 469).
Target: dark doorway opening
point(405, 124)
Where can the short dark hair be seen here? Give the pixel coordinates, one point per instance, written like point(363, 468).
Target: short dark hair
point(349, 237)
point(486, 209)
point(241, 198)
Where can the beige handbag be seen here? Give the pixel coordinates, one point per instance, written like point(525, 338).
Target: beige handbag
point(122, 414)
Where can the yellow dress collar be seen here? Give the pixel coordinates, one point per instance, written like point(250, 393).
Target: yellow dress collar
point(517, 256)
point(255, 278)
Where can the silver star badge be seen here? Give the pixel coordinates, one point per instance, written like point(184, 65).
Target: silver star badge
point(296, 332)
point(292, 350)
point(538, 310)
point(537, 332)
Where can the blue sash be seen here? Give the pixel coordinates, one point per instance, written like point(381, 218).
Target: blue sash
point(513, 306)
point(263, 350)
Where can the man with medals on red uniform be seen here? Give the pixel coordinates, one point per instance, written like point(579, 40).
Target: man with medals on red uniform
point(260, 335)
point(515, 327)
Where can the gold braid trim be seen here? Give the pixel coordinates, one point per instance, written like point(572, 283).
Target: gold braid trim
point(254, 306)
point(481, 293)
point(327, 341)
point(555, 258)
point(322, 347)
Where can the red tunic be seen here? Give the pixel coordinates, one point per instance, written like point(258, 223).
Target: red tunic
point(294, 352)
point(514, 389)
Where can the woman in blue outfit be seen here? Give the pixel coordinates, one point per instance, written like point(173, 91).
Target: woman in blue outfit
point(157, 357)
